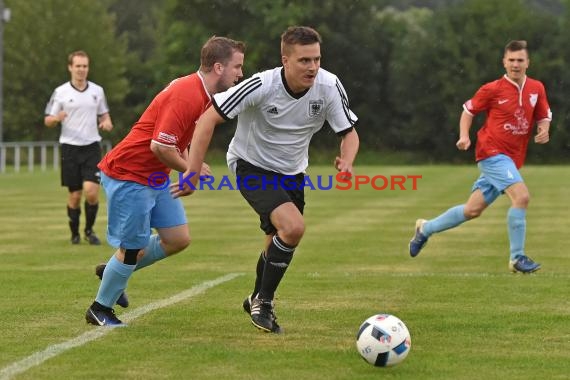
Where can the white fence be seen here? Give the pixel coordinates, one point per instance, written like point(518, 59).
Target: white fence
point(32, 153)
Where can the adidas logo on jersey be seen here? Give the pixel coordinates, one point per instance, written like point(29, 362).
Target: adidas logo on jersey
point(273, 110)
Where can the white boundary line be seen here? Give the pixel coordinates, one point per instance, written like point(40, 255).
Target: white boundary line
point(56, 349)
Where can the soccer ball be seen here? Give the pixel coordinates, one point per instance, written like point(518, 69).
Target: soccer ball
point(383, 340)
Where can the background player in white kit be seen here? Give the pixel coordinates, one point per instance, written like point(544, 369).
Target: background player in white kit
point(279, 112)
point(81, 108)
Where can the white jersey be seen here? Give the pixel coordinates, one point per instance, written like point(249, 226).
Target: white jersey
point(275, 126)
point(80, 127)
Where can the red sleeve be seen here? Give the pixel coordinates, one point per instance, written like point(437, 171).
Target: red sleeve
point(171, 122)
point(481, 100)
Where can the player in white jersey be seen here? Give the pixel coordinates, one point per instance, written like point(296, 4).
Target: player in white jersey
point(278, 112)
point(81, 108)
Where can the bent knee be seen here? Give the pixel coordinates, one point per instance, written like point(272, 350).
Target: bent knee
point(472, 213)
point(522, 201)
point(293, 233)
point(178, 244)
point(183, 243)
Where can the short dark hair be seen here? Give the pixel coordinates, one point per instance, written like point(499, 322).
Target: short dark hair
point(516, 45)
point(78, 53)
point(298, 35)
point(218, 50)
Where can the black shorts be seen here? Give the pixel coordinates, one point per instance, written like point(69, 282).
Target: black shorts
point(265, 190)
point(79, 164)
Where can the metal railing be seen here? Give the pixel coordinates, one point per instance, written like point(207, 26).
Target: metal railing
point(30, 153)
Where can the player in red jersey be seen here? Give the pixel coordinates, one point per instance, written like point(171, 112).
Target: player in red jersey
point(133, 174)
point(514, 103)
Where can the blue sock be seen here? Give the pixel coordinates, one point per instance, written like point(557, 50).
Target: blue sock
point(114, 282)
point(152, 253)
point(449, 219)
point(516, 222)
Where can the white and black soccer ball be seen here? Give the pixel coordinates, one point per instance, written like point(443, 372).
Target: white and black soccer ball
point(383, 340)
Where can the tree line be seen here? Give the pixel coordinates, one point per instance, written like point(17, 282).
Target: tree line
point(407, 66)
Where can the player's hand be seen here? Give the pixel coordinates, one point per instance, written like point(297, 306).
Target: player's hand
point(542, 136)
point(185, 187)
point(178, 189)
point(106, 125)
point(344, 167)
point(205, 170)
point(463, 143)
point(61, 115)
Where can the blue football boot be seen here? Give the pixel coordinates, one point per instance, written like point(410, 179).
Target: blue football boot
point(523, 264)
point(419, 240)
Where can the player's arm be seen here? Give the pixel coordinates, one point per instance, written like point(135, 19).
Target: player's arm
point(542, 132)
point(168, 155)
point(205, 171)
point(105, 122)
point(483, 100)
point(465, 123)
point(51, 121)
point(198, 148)
point(544, 117)
point(54, 114)
point(348, 150)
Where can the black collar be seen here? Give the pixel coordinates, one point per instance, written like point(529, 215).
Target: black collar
point(297, 95)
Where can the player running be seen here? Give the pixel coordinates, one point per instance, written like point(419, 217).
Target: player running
point(513, 103)
point(279, 112)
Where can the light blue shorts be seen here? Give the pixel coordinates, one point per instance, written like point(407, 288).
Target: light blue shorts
point(497, 173)
point(133, 209)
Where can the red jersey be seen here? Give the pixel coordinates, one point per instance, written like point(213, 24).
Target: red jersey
point(511, 115)
point(169, 120)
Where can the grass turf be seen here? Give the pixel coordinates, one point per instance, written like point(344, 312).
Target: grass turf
point(469, 318)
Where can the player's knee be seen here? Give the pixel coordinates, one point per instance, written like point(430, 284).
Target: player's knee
point(473, 212)
point(92, 198)
point(521, 201)
point(177, 243)
point(184, 242)
point(75, 198)
point(292, 233)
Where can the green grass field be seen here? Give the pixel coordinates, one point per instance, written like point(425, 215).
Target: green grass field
point(468, 316)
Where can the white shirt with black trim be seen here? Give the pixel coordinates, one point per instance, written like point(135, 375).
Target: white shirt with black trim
point(275, 126)
point(81, 126)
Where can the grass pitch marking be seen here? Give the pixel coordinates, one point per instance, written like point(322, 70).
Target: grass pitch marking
point(98, 332)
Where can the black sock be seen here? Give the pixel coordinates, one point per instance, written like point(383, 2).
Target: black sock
point(259, 273)
point(97, 306)
point(279, 255)
point(73, 215)
point(90, 215)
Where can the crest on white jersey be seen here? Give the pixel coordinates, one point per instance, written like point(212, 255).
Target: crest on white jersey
point(315, 107)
